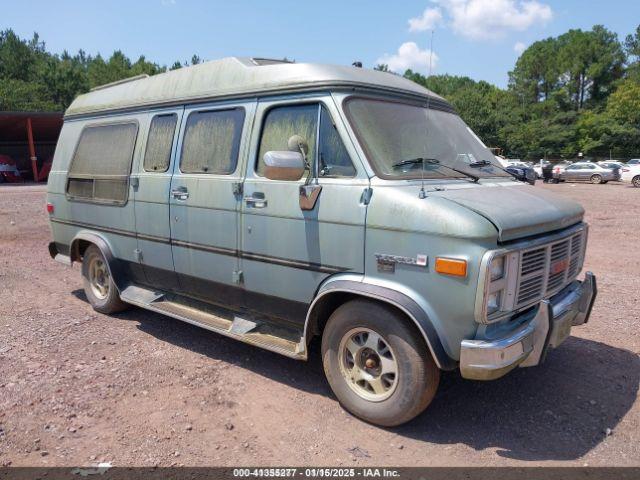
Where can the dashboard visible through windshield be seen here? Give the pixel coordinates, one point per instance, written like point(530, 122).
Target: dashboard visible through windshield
point(404, 141)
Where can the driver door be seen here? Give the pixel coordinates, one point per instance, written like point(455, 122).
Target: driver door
point(287, 251)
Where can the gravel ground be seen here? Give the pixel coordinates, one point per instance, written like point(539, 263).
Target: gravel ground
point(138, 388)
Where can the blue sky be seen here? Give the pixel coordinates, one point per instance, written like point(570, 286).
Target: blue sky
point(477, 38)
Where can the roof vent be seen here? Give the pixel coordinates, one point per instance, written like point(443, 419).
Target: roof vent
point(261, 62)
point(120, 82)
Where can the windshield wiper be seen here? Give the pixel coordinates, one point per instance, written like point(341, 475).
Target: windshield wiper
point(433, 161)
point(487, 163)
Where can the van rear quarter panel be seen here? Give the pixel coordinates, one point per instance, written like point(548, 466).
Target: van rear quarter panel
point(70, 217)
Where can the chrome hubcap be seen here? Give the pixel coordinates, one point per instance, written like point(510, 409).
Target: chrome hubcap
point(99, 278)
point(368, 364)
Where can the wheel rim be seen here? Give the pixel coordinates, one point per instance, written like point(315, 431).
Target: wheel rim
point(368, 364)
point(636, 181)
point(99, 277)
point(596, 179)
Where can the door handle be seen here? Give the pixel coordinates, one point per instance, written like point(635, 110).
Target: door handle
point(180, 193)
point(256, 200)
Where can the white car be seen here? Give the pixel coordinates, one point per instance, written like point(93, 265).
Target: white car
point(539, 166)
point(631, 173)
point(611, 163)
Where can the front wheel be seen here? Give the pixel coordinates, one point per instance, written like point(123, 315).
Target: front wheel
point(596, 179)
point(98, 284)
point(377, 364)
point(636, 181)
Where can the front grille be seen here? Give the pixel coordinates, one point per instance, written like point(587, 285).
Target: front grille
point(546, 269)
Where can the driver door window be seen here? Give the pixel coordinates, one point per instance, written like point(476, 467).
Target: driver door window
point(283, 122)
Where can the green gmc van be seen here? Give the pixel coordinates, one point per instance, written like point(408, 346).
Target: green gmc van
point(273, 202)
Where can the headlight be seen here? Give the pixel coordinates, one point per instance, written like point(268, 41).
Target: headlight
point(496, 269)
point(493, 302)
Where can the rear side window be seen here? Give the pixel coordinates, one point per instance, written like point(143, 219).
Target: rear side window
point(158, 153)
point(101, 163)
point(212, 141)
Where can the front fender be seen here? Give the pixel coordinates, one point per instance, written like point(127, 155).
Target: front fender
point(356, 285)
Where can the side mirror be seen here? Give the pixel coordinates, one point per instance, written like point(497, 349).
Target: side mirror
point(283, 165)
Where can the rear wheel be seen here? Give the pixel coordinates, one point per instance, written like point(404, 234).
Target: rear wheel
point(377, 364)
point(98, 284)
point(636, 181)
point(596, 179)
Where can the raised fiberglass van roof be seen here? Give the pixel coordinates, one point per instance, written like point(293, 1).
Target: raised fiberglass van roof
point(232, 77)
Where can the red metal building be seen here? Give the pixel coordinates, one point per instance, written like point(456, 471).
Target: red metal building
point(27, 143)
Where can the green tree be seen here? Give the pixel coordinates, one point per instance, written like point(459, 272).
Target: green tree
point(25, 96)
point(536, 72)
point(632, 49)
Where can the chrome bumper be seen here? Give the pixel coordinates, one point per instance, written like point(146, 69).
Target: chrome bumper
point(528, 344)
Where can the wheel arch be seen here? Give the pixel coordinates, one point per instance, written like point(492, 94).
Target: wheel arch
point(83, 240)
point(338, 292)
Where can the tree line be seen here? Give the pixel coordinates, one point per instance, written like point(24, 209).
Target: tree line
point(33, 79)
point(578, 92)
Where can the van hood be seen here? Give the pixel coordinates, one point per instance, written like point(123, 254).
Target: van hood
point(517, 210)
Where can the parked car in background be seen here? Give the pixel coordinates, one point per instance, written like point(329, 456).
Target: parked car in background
point(559, 168)
point(539, 166)
point(522, 172)
point(631, 174)
point(614, 165)
point(588, 172)
point(634, 161)
point(8, 170)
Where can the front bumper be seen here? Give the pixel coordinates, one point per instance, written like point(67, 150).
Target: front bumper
point(528, 344)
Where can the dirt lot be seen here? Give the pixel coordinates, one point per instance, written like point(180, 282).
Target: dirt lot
point(78, 387)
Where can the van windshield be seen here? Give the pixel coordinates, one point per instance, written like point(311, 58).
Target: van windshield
point(401, 140)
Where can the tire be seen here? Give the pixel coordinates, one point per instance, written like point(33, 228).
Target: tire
point(605, 181)
point(595, 179)
point(388, 400)
point(635, 181)
point(98, 284)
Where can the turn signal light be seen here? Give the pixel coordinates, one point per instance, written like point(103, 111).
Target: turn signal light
point(50, 208)
point(451, 266)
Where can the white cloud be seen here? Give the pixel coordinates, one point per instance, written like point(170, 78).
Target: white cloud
point(410, 56)
point(486, 19)
point(519, 47)
point(429, 19)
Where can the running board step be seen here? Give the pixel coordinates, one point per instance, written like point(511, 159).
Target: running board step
point(139, 295)
point(262, 332)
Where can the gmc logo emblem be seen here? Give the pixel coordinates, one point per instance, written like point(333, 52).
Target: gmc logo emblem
point(559, 266)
